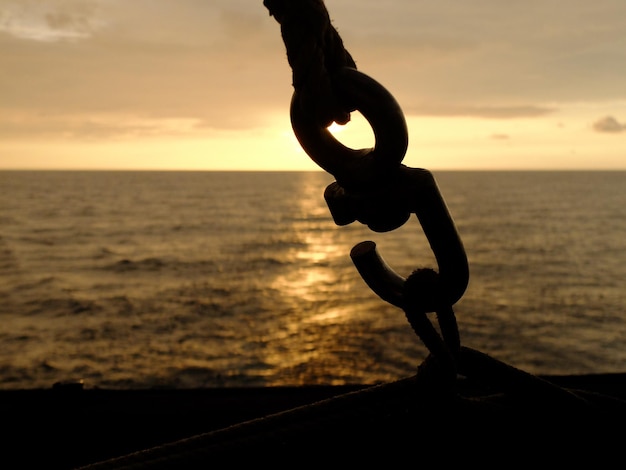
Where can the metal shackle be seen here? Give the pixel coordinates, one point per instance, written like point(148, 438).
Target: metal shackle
point(355, 167)
point(424, 199)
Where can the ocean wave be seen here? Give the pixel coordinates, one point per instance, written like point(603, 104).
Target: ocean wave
point(256, 287)
point(8, 258)
point(60, 306)
point(154, 264)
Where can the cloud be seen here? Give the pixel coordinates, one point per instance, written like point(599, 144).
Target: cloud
point(222, 64)
point(219, 68)
point(484, 111)
point(49, 21)
point(92, 127)
point(541, 53)
point(609, 125)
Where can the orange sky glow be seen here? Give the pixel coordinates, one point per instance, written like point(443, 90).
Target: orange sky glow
point(156, 85)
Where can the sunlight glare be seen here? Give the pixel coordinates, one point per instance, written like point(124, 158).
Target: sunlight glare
point(355, 134)
point(335, 128)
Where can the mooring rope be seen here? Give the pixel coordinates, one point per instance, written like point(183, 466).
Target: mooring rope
point(315, 51)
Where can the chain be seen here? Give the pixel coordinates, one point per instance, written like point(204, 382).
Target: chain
point(374, 188)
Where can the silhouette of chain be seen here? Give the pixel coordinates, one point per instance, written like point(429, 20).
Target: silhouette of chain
point(373, 187)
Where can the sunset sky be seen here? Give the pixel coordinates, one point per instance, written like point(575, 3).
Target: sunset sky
point(205, 84)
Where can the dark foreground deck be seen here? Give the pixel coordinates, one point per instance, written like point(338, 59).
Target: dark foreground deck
point(70, 427)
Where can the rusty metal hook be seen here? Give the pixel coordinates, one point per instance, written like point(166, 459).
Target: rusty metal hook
point(422, 197)
point(355, 168)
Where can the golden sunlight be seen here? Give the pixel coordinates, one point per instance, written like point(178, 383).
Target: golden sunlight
point(563, 139)
point(355, 134)
point(316, 248)
point(335, 128)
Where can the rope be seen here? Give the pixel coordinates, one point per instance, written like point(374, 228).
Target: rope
point(315, 52)
point(423, 294)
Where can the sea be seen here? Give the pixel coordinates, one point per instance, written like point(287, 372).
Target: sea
point(138, 279)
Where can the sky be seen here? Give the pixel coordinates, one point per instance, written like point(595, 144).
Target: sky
point(205, 84)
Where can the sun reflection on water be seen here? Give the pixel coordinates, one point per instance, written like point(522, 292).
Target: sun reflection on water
point(322, 326)
point(332, 329)
point(332, 315)
point(317, 246)
point(304, 284)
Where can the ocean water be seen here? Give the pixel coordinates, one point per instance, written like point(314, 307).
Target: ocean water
point(218, 279)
